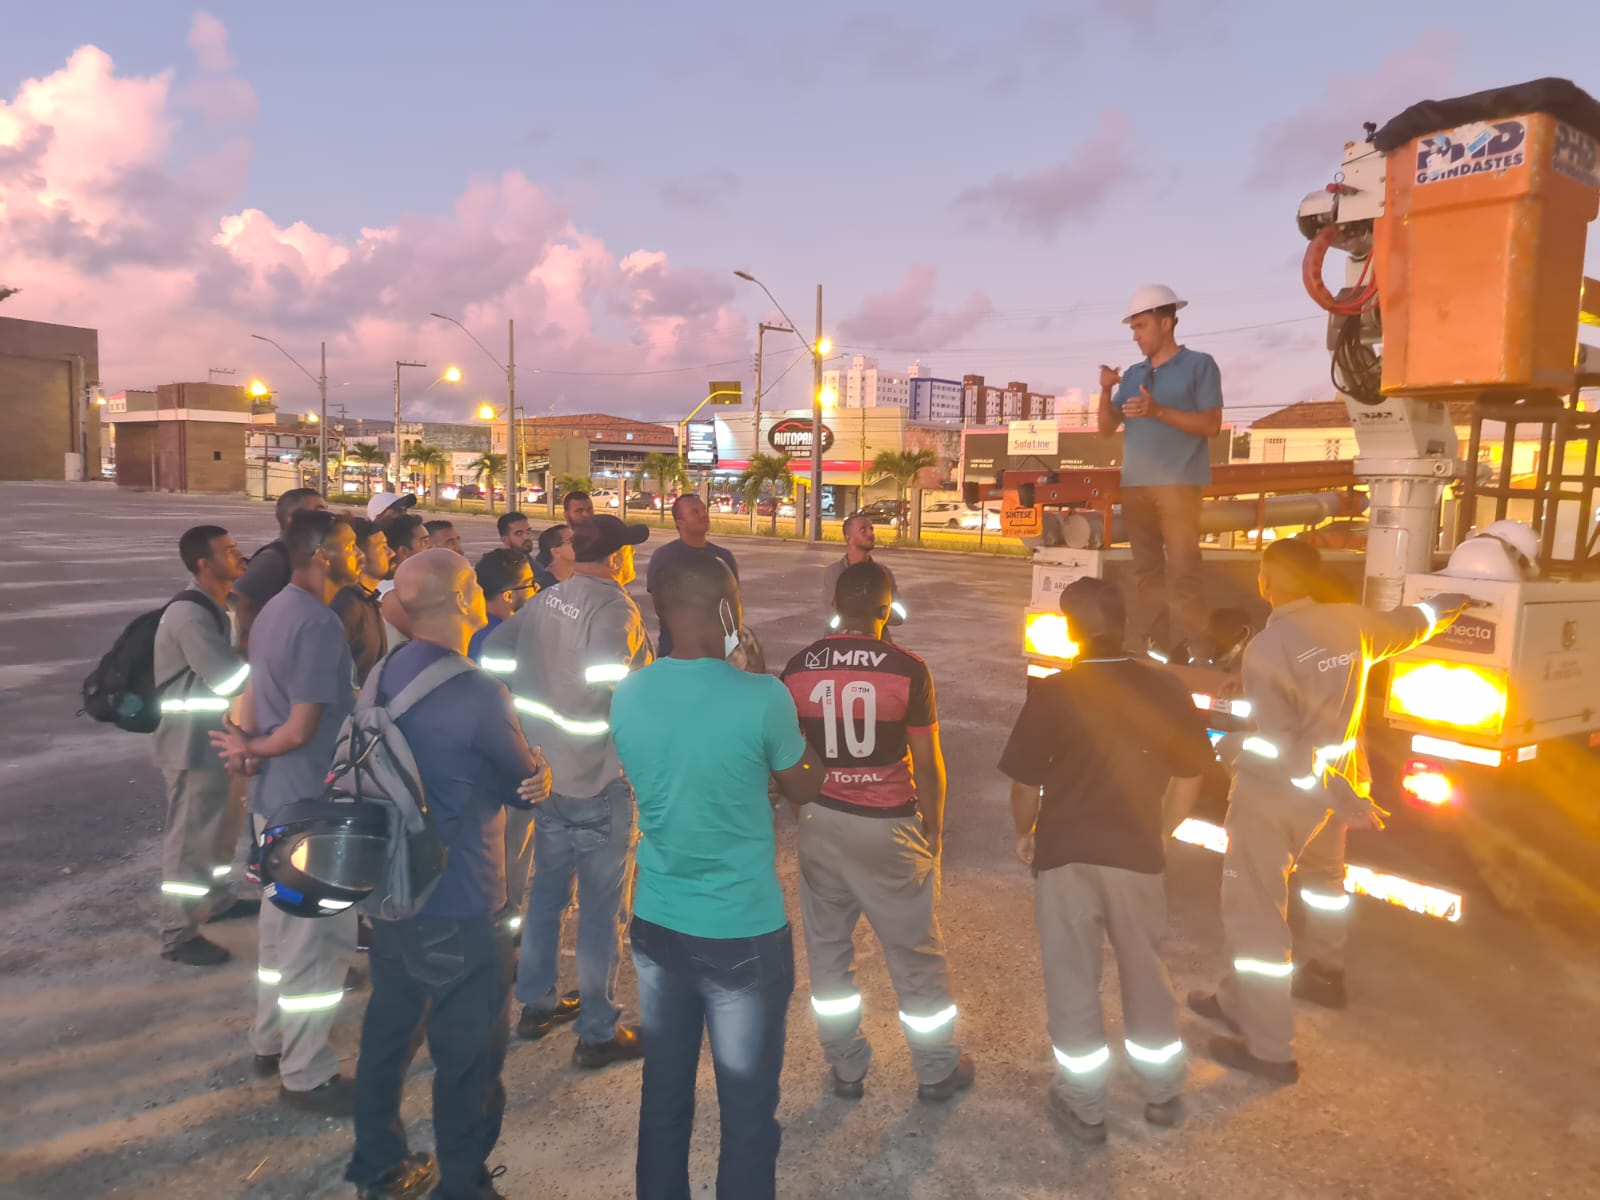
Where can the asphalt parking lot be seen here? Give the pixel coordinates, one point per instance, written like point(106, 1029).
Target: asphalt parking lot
point(1466, 1066)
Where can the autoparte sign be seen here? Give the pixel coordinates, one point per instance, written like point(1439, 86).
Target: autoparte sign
point(792, 436)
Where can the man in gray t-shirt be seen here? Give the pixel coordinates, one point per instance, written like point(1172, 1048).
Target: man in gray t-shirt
point(301, 691)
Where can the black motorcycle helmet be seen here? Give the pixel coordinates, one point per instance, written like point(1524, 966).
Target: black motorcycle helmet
point(321, 856)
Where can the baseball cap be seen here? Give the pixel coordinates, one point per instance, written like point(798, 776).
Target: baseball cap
point(598, 538)
point(382, 502)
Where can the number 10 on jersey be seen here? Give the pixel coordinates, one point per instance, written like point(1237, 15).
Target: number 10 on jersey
point(833, 699)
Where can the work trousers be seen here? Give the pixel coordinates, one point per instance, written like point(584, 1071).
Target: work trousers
point(1077, 907)
point(1324, 904)
point(882, 868)
point(587, 840)
point(1163, 528)
point(205, 815)
point(451, 978)
point(1266, 834)
point(519, 861)
point(300, 971)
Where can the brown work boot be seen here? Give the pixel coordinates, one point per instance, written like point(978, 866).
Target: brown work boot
point(1069, 1122)
point(1206, 1004)
point(1232, 1052)
point(959, 1080)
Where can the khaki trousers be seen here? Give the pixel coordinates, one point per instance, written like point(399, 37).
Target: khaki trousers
point(205, 815)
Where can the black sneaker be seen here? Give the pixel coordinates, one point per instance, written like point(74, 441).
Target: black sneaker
point(850, 1089)
point(1071, 1123)
point(1319, 985)
point(1207, 1005)
point(410, 1177)
point(1166, 1114)
point(363, 934)
point(1232, 1052)
point(265, 1065)
point(240, 910)
point(336, 1098)
point(959, 1080)
point(536, 1022)
point(486, 1187)
point(197, 952)
point(625, 1043)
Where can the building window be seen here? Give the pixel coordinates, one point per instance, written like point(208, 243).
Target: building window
point(1330, 449)
point(1272, 449)
point(216, 456)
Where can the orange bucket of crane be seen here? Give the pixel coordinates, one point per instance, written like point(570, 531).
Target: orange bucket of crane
point(1479, 255)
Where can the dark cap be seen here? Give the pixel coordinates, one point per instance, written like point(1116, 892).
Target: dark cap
point(598, 538)
point(1094, 610)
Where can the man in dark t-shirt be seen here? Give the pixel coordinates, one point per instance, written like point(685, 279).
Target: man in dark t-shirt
point(870, 843)
point(694, 526)
point(1105, 758)
point(268, 571)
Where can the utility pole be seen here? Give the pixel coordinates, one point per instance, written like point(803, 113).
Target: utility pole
point(762, 330)
point(815, 532)
point(513, 450)
point(396, 457)
point(322, 427)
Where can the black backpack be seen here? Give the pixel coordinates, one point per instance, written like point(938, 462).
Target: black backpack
point(123, 690)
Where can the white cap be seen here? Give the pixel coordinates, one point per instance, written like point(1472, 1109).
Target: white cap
point(382, 502)
point(1152, 295)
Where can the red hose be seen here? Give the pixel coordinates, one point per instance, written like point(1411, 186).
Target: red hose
point(1311, 274)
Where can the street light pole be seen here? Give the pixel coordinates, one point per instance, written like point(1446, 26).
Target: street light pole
point(395, 465)
point(322, 392)
point(817, 353)
point(509, 368)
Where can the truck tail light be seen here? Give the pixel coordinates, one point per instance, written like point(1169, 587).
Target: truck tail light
point(1427, 784)
point(1454, 694)
point(1045, 634)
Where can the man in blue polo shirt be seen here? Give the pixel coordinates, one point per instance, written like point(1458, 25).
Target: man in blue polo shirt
point(448, 969)
point(1171, 405)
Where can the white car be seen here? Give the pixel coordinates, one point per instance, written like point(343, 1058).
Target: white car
point(604, 499)
point(953, 514)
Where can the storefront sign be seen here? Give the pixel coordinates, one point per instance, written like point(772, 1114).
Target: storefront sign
point(792, 436)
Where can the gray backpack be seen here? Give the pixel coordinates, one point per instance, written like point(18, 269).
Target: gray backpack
point(373, 765)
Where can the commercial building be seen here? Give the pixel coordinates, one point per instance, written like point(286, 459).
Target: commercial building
point(925, 397)
point(601, 447)
point(192, 439)
point(49, 421)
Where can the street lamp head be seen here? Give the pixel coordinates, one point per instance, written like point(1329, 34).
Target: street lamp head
point(452, 374)
point(441, 316)
point(312, 418)
point(746, 276)
point(258, 389)
point(824, 347)
point(486, 412)
point(829, 397)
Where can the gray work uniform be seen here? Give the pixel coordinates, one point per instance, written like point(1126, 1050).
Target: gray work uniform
point(1298, 780)
point(1102, 743)
point(567, 648)
point(298, 655)
point(200, 674)
point(863, 852)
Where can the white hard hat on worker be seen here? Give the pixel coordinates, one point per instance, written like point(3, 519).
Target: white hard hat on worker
point(1152, 296)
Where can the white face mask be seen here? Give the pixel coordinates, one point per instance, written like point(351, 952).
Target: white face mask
point(730, 629)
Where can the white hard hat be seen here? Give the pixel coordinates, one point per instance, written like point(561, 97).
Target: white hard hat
point(382, 502)
point(1505, 550)
point(1152, 295)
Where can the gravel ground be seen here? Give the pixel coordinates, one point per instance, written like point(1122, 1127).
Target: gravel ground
point(1466, 1065)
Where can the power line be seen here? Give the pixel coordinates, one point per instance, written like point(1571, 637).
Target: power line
point(726, 362)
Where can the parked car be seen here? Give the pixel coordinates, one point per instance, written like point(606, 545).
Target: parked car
point(605, 498)
point(883, 512)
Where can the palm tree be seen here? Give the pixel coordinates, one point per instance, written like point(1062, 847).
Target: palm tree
point(903, 466)
point(766, 471)
point(667, 470)
point(303, 460)
point(429, 459)
point(486, 470)
point(7, 292)
point(574, 483)
point(369, 456)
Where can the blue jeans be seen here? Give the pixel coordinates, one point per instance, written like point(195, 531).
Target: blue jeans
point(739, 989)
point(452, 978)
point(587, 838)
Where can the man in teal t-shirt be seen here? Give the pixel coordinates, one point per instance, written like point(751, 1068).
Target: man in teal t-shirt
point(699, 739)
point(1170, 406)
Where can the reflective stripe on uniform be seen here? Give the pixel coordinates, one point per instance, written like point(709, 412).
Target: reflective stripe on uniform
point(1428, 611)
point(605, 673)
point(1154, 1055)
point(268, 976)
point(839, 1007)
point(222, 872)
point(545, 713)
point(930, 1024)
point(233, 682)
point(1260, 966)
point(1324, 901)
point(196, 704)
point(1082, 1064)
point(1304, 782)
point(193, 890)
point(334, 905)
point(497, 665)
point(311, 1002)
point(1260, 747)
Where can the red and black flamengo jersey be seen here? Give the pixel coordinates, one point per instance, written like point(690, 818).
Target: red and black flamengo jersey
point(858, 698)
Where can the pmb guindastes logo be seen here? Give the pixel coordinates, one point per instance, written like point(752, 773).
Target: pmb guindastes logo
point(1471, 150)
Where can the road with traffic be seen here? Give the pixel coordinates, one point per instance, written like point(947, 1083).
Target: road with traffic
point(1466, 1065)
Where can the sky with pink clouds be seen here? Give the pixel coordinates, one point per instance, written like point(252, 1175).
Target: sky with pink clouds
point(980, 187)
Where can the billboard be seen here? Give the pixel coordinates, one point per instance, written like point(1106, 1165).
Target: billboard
point(701, 444)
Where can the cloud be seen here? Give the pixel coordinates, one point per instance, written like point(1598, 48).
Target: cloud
point(905, 318)
point(706, 190)
point(219, 95)
point(1306, 145)
point(122, 209)
point(1040, 202)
